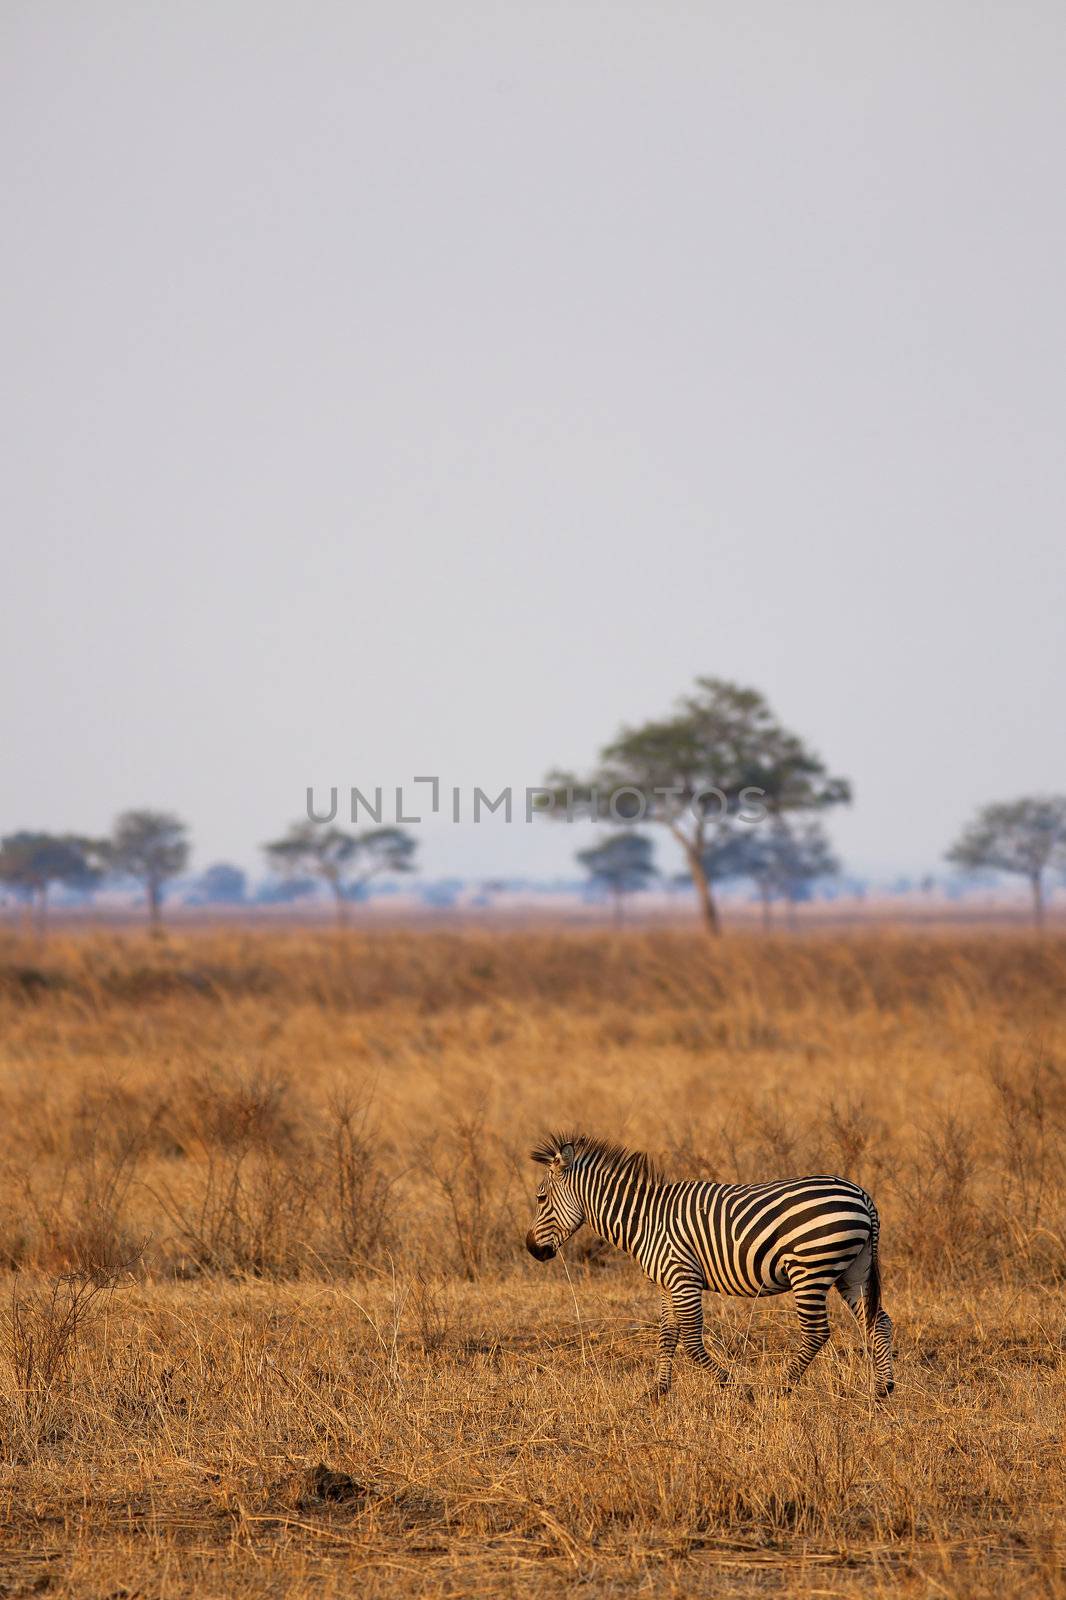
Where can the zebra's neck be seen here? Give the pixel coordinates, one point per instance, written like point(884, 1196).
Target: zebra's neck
point(615, 1204)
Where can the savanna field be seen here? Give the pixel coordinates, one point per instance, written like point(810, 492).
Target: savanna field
point(267, 1325)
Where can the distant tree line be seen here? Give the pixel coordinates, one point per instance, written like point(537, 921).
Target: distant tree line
point(692, 772)
point(149, 846)
point(153, 847)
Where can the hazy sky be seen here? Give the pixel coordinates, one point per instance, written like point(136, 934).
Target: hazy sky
point(395, 389)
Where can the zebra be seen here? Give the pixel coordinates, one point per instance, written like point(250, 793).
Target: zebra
point(754, 1239)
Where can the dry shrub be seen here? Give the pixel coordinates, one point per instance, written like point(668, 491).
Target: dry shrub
point(44, 1328)
point(1031, 1149)
point(267, 1184)
point(245, 1191)
point(73, 1201)
point(475, 1174)
point(357, 1204)
point(431, 1311)
point(231, 1109)
point(248, 1214)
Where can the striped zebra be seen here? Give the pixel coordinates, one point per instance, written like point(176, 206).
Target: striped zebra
point(754, 1239)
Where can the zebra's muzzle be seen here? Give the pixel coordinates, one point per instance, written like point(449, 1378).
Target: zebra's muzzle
point(539, 1252)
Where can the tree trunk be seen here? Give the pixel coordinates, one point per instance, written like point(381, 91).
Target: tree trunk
point(42, 911)
point(152, 885)
point(1036, 883)
point(619, 911)
point(704, 894)
point(342, 904)
point(764, 896)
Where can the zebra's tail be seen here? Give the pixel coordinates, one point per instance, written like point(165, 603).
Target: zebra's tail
point(872, 1295)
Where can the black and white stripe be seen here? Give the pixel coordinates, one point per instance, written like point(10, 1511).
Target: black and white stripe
point(807, 1235)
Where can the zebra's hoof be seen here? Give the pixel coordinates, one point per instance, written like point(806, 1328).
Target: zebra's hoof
point(657, 1395)
point(884, 1390)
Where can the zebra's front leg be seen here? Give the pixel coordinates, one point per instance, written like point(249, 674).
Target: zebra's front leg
point(809, 1295)
point(669, 1332)
point(688, 1305)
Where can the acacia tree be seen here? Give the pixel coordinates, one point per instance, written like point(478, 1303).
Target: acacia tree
point(622, 864)
point(153, 847)
point(30, 863)
point(721, 761)
point(344, 861)
point(782, 858)
point(1026, 836)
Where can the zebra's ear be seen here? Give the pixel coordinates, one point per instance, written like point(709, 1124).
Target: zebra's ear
point(566, 1157)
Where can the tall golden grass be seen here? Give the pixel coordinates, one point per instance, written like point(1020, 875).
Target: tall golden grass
point(270, 1329)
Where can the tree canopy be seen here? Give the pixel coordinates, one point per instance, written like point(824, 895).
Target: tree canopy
point(782, 857)
point(623, 863)
point(151, 846)
point(30, 863)
point(1026, 836)
point(345, 862)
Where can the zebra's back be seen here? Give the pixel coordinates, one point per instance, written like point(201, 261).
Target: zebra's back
point(746, 1238)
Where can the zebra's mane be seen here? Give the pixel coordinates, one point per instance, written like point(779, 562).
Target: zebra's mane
point(613, 1158)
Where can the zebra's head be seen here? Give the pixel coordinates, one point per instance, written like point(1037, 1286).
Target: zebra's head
point(559, 1209)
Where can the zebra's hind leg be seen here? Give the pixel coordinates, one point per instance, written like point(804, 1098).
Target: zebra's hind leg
point(669, 1330)
point(879, 1344)
point(882, 1354)
point(809, 1294)
point(688, 1306)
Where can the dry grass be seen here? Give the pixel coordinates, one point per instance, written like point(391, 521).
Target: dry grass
point(269, 1328)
